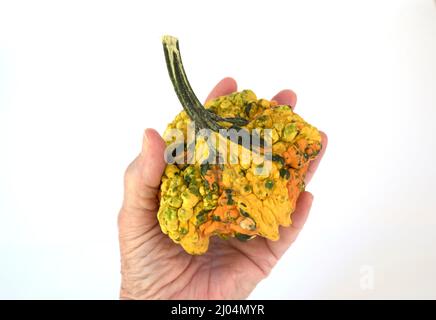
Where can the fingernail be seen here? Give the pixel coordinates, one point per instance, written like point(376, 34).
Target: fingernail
point(311, 197)
point(144, 142)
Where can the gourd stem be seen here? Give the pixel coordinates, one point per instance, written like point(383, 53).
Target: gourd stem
point(204, 119)
point(183, 89)
point(170, 48)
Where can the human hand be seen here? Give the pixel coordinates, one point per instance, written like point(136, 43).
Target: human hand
point(154, 267)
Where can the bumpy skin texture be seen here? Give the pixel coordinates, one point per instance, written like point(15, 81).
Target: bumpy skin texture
point(240, 199)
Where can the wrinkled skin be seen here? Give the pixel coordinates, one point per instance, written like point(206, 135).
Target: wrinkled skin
point(154, 267)
point(242, 199)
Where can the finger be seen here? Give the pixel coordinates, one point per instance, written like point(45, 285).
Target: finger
point(287, 97)
point(152, 160)
point(315, 163)
point(144, 174)
point(289, 234)
point(224, 87)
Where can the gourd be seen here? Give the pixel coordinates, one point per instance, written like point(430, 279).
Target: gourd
point(232, 196)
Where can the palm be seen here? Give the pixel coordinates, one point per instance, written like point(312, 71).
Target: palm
point(230, 269)
point(159, 268)
point(153, 266)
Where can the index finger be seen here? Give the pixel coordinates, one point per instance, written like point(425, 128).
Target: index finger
point(287, 97)
point(224, 87)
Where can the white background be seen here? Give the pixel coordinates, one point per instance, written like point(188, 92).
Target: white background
point(80, 80)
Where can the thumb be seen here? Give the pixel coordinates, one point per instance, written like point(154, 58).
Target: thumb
point(143, 176)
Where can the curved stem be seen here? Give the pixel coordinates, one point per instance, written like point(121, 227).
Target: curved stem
point(186, 95)
point(203, 118)
point(176, 72)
